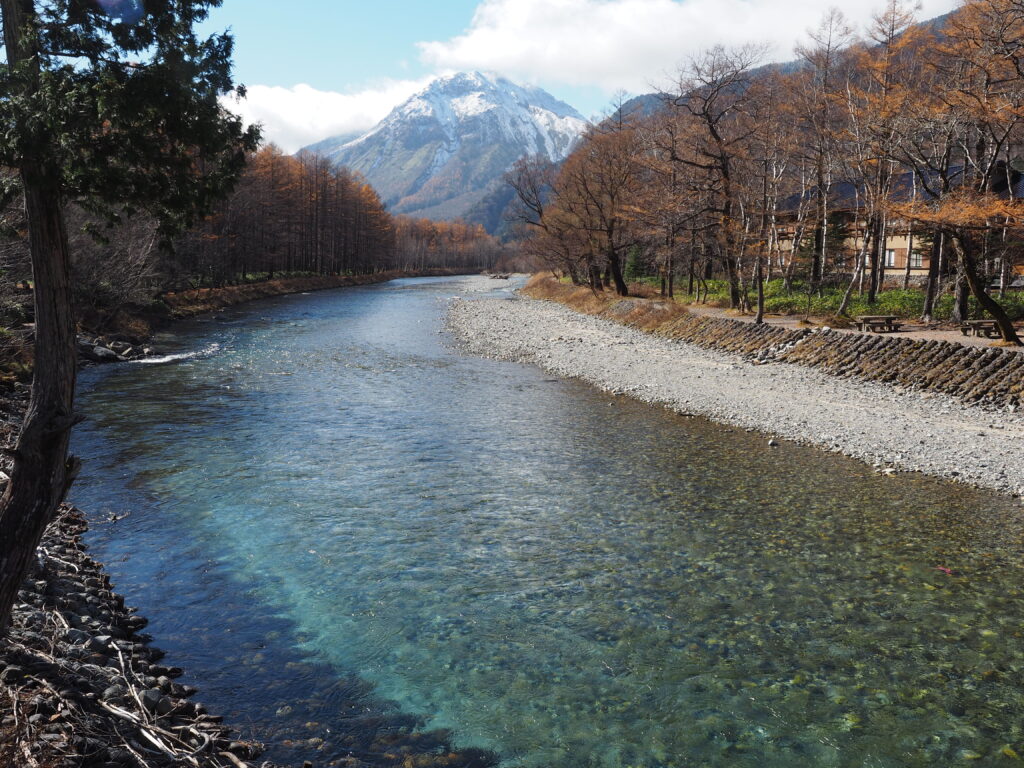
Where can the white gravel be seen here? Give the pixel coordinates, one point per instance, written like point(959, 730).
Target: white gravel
point(889, 427)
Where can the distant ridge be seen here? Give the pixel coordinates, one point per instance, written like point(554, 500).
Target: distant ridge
point(648, 104)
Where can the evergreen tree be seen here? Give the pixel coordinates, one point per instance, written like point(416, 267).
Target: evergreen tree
point(113, 105)
point(635, 270)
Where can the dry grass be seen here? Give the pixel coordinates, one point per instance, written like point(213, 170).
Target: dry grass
point(544, 285)
point(712, 301)
point(644, 291)
point(647, 311)
point(200, 300)
point(838, 321)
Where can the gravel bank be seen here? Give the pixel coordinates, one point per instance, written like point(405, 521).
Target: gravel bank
point(887, 426)
point(81, 686)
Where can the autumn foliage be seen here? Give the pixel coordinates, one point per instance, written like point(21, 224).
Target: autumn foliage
point(806, 174)
point(306, 215)
point(287, 217)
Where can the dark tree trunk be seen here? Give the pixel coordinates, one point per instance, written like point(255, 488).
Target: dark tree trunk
point(970, 271)
point(42, 471)
point(758, 278)
point(877, 252)
point(932, 288)
point(821, 231)
point(733, 275)
point(961, 291)
point(910, 254)
point(817, 258)
point(616, 271)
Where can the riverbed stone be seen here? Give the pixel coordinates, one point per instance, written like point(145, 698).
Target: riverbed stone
point(150, 698)
point(103, 354)
point(830, 389)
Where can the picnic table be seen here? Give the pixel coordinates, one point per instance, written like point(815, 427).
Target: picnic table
point(877, 323)
point(986, 328)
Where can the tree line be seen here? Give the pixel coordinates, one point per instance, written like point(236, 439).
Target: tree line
point(305, 214)
point(285, 216)
point(750, 173)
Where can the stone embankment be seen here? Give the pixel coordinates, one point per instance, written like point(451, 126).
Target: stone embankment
point(974, 374)
point(82, 687)
point(886, 401)
point(989, 375)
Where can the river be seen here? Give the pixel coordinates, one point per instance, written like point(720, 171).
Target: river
point(344, 529)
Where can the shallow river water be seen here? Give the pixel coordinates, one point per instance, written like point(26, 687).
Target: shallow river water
point(342, 528)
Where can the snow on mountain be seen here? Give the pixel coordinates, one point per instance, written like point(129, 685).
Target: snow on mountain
point(447, 147)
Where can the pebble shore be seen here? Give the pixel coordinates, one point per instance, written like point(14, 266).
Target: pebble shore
point(890, 427)
point(83, 687)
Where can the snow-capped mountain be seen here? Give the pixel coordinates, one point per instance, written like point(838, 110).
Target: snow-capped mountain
point(444, 149)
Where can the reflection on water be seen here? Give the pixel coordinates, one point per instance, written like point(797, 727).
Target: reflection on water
point(367, 525)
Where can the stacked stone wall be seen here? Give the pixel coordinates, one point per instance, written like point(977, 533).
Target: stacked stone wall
point(992, 375)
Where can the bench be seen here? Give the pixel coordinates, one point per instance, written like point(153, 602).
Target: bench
point(878, 323)
point(987, 328)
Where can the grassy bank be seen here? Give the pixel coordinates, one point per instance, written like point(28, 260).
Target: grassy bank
point(825, 302)
point(646, 311)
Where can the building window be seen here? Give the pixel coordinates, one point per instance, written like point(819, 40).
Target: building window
point(890, 258)
point(916, 260)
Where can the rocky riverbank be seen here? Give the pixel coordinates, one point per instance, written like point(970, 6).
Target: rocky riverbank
point(122, 335)
point(82, 687)
point(891, 427)
point(201, 300)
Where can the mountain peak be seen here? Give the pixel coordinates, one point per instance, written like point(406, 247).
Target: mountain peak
point(472, 93)
point(443, 149)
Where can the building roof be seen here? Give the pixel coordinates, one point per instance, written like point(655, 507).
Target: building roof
point(906, 187)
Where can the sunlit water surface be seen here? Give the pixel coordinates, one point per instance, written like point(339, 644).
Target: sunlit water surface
point(338, 525)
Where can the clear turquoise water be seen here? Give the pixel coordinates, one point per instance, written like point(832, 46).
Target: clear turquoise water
point(340, 528)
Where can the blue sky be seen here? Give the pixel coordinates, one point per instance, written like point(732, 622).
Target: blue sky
point(317, 68)
point(335, 44)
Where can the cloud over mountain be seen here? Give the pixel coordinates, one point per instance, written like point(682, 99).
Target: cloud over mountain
point(628, 44)
point(294, 117)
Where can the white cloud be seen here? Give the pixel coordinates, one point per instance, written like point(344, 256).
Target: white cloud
point(628, 44)
point(631, 45)
point(295, 117)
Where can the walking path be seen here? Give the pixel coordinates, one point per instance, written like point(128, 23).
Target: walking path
point(914, 331)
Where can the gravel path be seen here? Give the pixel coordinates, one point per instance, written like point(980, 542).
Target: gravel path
point(911, 330)
point(890, 427)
